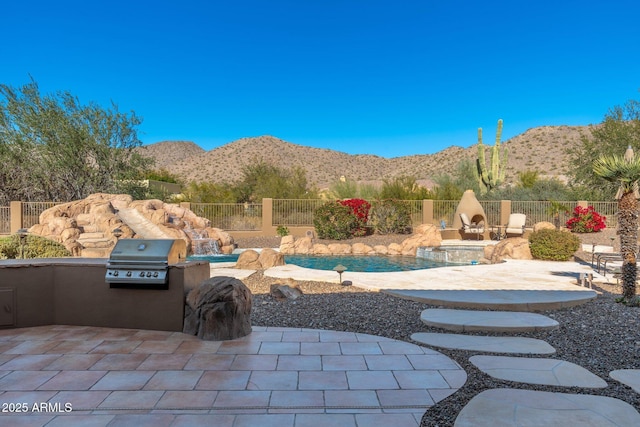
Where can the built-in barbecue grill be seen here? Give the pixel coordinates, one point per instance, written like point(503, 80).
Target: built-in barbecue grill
point(143, 263)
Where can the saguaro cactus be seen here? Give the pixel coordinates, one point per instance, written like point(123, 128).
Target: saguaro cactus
point(492, 176)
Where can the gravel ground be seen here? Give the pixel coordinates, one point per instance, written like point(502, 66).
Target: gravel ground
point(600, 335)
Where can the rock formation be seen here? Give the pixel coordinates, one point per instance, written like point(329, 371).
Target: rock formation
point(424, 235)
point(511, 248)
point(218, 309)
point(91, 227)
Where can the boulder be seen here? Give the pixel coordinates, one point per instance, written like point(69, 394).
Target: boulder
point(381, 249)
point(424, 235)
point(394, 249)
point(285, 292)
point(543, 225)
point(287, 245)
point(270, 258)
point(362, 249)
point(304, 246)
point(339, 248)
point(321, 249)
point(511, 248)
point(218, 309)
point(248, 260)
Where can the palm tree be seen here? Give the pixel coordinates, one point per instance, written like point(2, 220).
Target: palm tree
point(626, 172)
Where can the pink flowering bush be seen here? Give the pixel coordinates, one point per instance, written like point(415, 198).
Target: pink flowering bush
point(586, 220)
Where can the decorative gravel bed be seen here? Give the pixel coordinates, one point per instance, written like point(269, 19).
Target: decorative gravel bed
point(600, 335)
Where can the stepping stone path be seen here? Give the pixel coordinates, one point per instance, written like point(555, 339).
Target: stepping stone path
point(497, 321)
point(512, 407)
point(515, 407)
point(537, 371)
point(487, 344)
point(629, 377)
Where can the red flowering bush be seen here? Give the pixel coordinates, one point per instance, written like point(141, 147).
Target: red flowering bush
point(359, 208)
point(586, 220)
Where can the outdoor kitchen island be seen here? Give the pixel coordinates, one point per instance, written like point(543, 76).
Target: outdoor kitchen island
point(73, 291)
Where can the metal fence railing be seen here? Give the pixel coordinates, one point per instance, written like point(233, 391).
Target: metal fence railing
point(300, 213)
point(31, 212)
point(231, 216)
point(295, 212)
point(5, 220)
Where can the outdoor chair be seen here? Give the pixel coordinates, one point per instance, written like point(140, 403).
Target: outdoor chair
point(469, 227)
point(516, 225)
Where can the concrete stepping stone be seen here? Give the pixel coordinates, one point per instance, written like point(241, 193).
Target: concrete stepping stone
point(512, 407)
point(482, 343)
point(538, 371)
point(497, 321)
point(630, 377)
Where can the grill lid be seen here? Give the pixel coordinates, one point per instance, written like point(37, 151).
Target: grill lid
point(143, 251)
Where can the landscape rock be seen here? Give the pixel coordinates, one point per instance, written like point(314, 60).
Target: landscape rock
point(270, 258)
point(511, 248)
point(218, 309)
point(381, 249)
point(543, 225)
point(321, 249)
point(340, 248)
point(287, 245)
point(249, 260)
point(69, 223)
point(424, 235)
point(285, 292)
point(362, 249)
point(303, 245)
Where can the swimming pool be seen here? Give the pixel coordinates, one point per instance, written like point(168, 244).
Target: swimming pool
point(359, 263)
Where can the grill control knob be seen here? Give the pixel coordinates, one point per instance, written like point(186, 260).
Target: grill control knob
point(142, 274)
point(128, 274)
point(115, 273)
point(155, 274)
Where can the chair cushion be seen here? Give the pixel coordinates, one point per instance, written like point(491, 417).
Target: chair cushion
point(465, 220)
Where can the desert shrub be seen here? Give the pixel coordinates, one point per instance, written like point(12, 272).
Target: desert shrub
point(32, 247)
point(390, 216)
point(334, 221)
point(360, 209)
point(282, 231)
point(586, 220)
point(553, 245)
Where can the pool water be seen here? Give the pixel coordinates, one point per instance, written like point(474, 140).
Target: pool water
point(359, 263)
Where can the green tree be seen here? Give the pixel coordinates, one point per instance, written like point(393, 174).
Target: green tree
point(261, 179)
point(625, 172)
point(52, 147)
point(403, 188)
point(619, 129)
point(527, 179)
point(208, 192)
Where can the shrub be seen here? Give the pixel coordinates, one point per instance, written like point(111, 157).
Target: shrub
point(334, 221)
point(360, 209)
point(553, 245)
point(282, 231)
point(586, 220)
point(390, 216)
point(32, 247)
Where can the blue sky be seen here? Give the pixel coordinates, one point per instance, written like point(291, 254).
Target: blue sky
point(390, 78)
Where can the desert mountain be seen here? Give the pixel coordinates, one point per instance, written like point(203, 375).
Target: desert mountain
point(542, 149)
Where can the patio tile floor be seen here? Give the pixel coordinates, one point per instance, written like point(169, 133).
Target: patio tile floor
point(275, 376)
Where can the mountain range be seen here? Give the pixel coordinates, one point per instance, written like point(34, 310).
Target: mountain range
point(542, 148)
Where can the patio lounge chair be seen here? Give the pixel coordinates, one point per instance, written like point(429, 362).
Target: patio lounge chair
point(515, 226)
point(469, 227)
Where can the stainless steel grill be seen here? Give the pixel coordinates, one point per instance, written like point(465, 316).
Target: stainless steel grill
point(143, 263)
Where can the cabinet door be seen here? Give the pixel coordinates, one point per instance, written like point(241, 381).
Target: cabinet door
point(7, 307)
